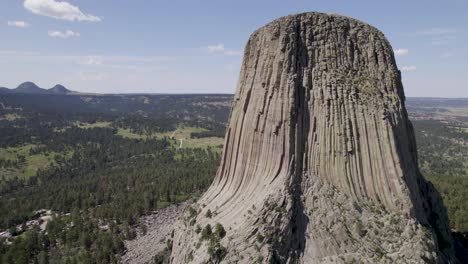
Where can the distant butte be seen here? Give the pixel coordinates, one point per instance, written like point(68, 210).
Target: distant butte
point(32, 88)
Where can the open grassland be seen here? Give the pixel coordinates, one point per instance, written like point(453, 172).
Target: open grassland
point(180, 138)
point(183, 140)
point(459, 111)
point(214, 142)
point(460, 128)
point(127, 133)
point(12, 153)
point(10, 117)
point(31, 163)
point(93, 125)
point(181, 132)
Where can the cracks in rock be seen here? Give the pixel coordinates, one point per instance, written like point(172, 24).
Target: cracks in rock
point(292, 247)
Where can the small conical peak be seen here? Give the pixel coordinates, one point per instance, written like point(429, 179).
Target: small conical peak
point(59, 89)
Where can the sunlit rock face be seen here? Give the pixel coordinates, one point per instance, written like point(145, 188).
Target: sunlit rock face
point(319, 163)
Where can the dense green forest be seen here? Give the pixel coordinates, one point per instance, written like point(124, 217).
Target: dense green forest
point(443, 159)
point(91, 165)
point(98, 170)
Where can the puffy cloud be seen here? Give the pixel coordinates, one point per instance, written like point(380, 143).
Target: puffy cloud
point(408, 68)
point(65, 34)
point(21, 24)
point(58, 10)
point(401, 52)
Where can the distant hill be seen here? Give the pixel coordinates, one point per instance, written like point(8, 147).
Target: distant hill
point(59, 89)
point(4, 90)
point(32, 88)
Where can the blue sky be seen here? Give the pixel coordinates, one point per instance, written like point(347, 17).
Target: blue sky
point(195, 46)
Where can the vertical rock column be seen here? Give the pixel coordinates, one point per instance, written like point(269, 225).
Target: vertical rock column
point(319, 163)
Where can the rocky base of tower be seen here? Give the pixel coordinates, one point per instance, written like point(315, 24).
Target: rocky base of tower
point(337, 230)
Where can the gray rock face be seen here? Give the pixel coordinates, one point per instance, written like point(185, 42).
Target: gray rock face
point(320, 162)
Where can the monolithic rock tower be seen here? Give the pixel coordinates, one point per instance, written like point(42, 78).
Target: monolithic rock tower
point(319, 163)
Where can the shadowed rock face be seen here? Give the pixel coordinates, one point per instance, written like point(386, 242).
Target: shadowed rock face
point(320, 162)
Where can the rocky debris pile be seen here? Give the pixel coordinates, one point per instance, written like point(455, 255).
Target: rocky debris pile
point(40, 218)
point(159, 226)
point(319, 163)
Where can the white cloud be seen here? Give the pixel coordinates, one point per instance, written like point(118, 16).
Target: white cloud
point(21, 24)
point(437, 31)
point(401, 52)
point(58, 10)
point(221, 49)
point(65, 34)
point(216, 48)
point(92, 76)
point(442, 40)
point(122, 62)
point(91, 60)
point(408, 68)
point(438, 36)
point(447, 54)
point(233, 53)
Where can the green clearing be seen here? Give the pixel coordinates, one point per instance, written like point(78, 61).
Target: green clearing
point(98, 124)
point(181, 133)
point(32, 162)
point(214, 142)
point(10, 117)
point(126, 133)
point(12, 152)
point(459, 128)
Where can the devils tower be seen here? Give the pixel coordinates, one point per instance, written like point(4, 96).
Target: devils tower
point(319, 163)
